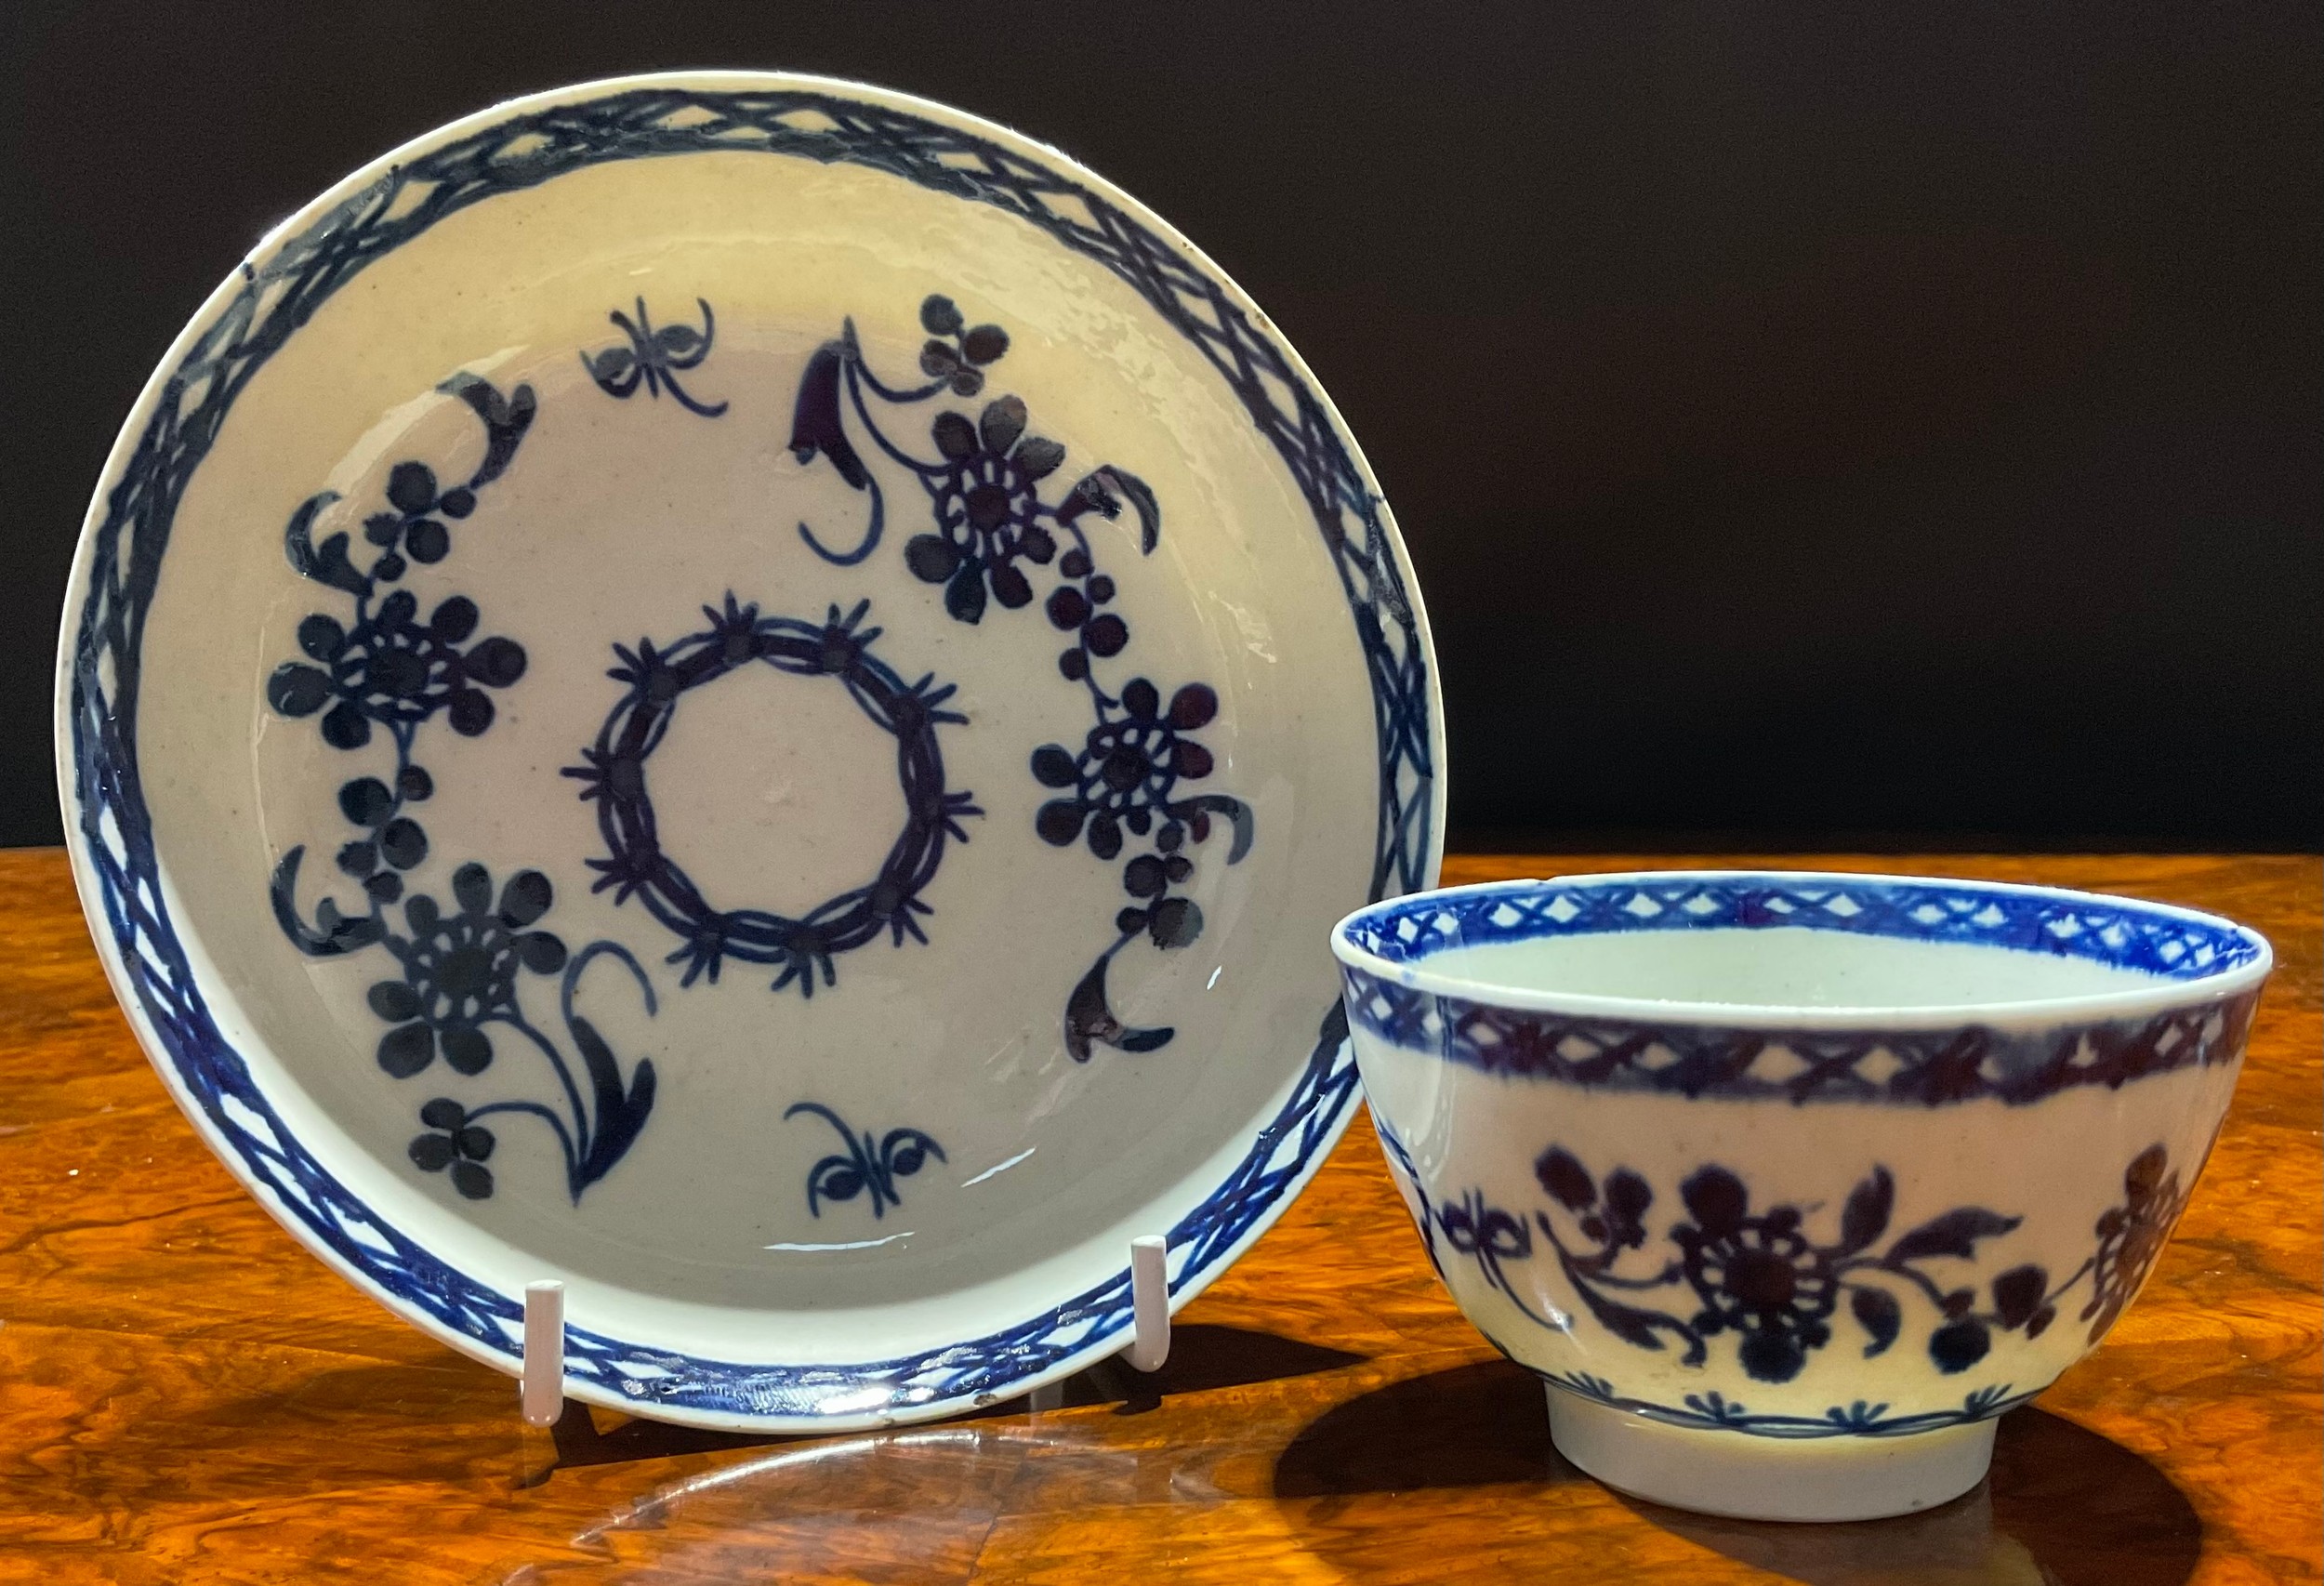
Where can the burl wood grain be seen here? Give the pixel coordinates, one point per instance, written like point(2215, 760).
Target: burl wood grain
point(186, 1396)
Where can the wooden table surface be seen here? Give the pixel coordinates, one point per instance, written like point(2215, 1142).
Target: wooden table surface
point(186, 1396)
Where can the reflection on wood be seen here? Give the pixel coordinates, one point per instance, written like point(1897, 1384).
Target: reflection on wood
point(191, 1397)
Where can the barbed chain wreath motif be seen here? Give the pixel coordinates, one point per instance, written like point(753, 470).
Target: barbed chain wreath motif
point(991, 524)
point(612, 775)
point(391, 673)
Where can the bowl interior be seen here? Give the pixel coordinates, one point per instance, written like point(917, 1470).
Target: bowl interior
point(1784, 967)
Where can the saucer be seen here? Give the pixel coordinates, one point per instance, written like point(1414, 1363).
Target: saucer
point(756, 695)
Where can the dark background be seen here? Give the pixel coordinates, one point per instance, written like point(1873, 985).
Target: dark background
point(1856, 424)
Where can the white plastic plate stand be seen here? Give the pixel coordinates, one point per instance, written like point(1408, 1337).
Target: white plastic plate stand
point(541, 1380)
point(541, 1386)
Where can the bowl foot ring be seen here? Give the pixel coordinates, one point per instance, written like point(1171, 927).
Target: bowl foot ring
point(1745, 1477)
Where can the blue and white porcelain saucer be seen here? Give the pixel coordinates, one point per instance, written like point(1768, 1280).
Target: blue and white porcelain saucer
point(756, 695)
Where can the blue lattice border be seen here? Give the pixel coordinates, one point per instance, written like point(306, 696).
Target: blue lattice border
point(522, 146)
point(2169, 943)
point(2207, 973)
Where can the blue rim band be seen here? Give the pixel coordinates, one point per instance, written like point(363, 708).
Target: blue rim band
point(1923, 1062)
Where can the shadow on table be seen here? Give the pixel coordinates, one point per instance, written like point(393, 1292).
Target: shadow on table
point(1202, 1357)
point(2063, 1506)
point(1478, 1425)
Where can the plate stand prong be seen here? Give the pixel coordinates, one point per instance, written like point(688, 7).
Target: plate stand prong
point(1149, 1345)
point(1150, 1303)
point(541, 1386)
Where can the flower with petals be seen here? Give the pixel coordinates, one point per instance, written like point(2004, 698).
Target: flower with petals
point(393, 670)
point(460, 971)
point(956, 352)
point(2132, 1235)
point(415, 528)
point(987, 510)
point(394, 842)
point(1758, 1276)
point(1127, 770)
point(455, 1142)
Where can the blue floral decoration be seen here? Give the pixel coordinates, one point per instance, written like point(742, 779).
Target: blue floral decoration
point(864, 1166)
point(1761, 1276)
point(655, 358)
point(385, 670)
point(1132, 772)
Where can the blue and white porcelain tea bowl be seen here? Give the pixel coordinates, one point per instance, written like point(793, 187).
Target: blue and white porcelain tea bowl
point(1788, 1185)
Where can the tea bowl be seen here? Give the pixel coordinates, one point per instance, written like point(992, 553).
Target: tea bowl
point(1788, 1185)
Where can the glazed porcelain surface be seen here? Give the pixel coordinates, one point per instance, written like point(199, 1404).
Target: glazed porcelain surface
point(1789, 1184)
point(757, 695)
